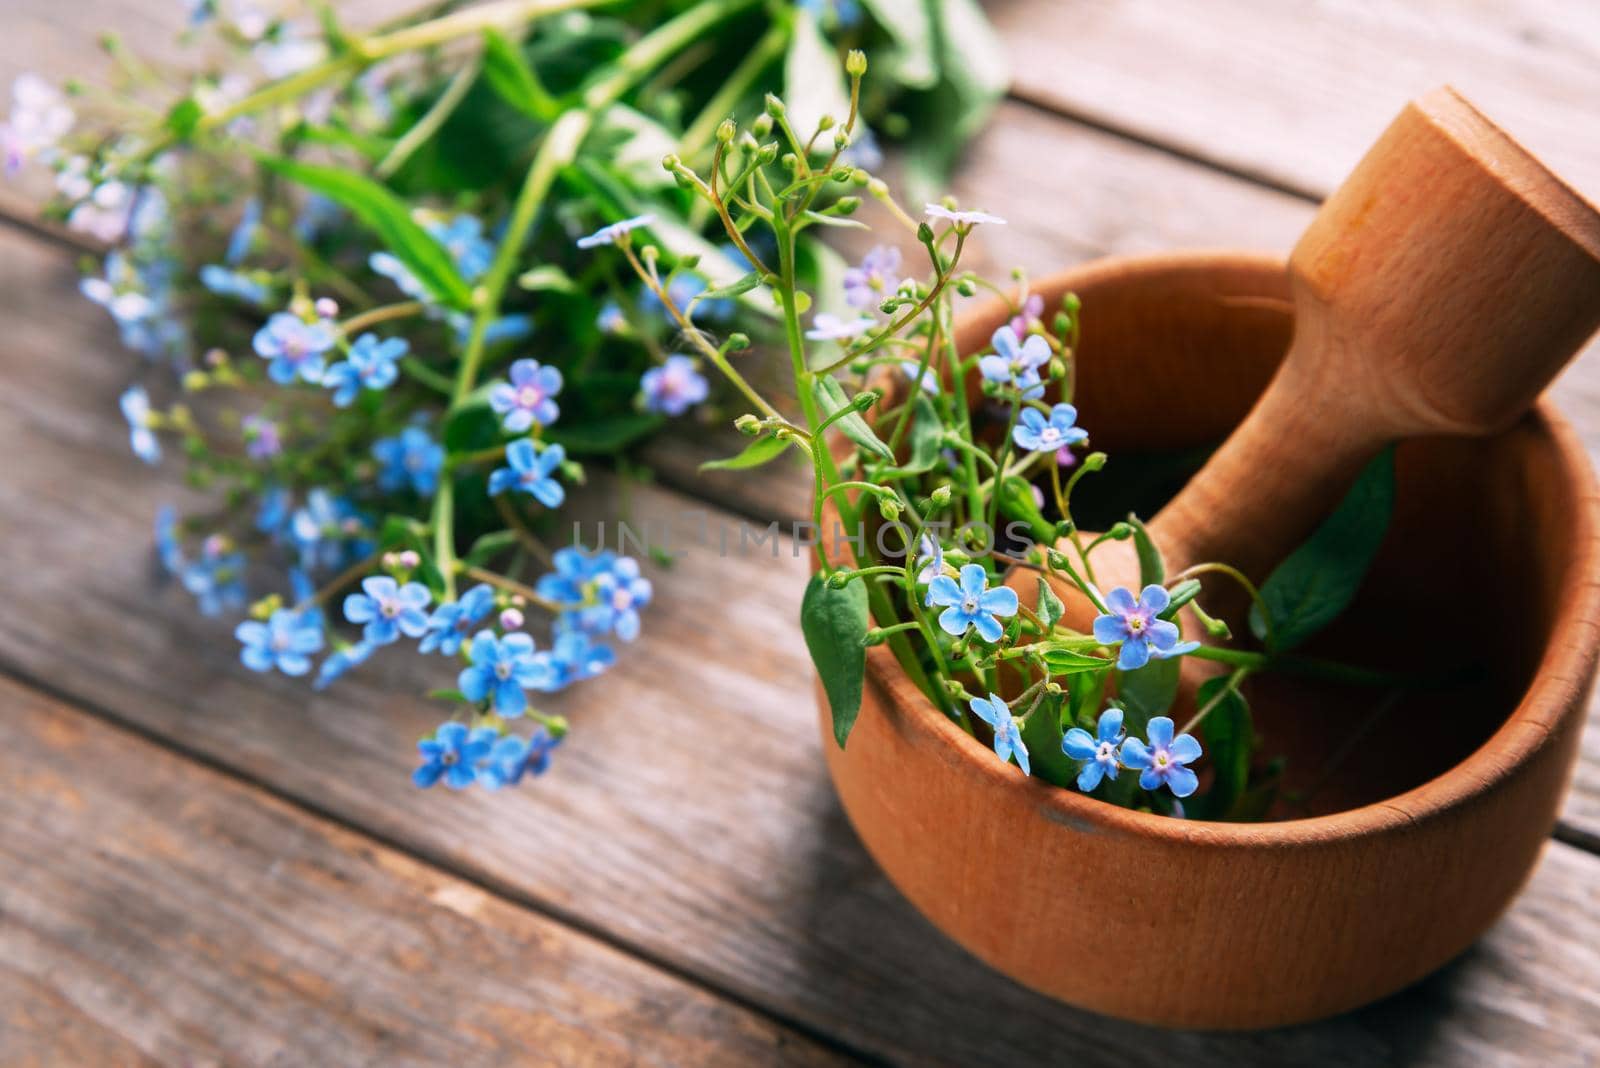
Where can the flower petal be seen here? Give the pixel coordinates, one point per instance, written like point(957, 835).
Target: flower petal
point(1160, 732)
point(1185, 749)
point(1079, 744)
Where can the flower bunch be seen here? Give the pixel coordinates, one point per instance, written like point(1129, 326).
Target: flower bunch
point(351, 262)
point(951, 475)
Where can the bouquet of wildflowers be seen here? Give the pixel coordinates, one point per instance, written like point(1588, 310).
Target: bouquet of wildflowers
point(952, 475)
point(352, 266)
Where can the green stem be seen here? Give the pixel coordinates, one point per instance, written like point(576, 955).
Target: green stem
point(429, 124)
point(497, 15)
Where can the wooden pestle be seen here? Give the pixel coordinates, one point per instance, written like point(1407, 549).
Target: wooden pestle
point(1437, 291)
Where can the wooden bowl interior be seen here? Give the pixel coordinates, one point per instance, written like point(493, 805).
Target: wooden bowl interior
point(1470, 572)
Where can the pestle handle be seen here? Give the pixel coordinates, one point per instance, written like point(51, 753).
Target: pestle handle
point(1437, 291)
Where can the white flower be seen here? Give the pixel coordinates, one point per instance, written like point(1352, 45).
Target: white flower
point(607, 235)
point(290, 52)
point(829, 327)
point(39, 119)
point(967, 218)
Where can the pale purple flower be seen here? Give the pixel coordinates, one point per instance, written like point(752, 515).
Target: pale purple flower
point(262, 440)
point(829, 327)
point(674, 387)
point(878, 274)
point(529, 398)
point(1138, 626)
point(931, 553)
point(40, 118)
point(1032, 308)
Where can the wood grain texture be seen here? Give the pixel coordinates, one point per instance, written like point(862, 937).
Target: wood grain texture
point(689, 816)
point(780, 902)
point(1290, 919)
point(1294, 92)
point(157, 912)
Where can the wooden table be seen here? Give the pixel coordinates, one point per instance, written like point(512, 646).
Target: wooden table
point(203, 865)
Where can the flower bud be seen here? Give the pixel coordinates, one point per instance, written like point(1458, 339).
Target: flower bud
point(827, 122)
point(847, 205)
point(410, 560)
point(216, 358)
point(889, 508)
point(1058, 560)
point(762, 126)
point(326, 307)
point(855, 63)
point(747, 424)
point(726, 130)
point(941, 496)
point(838, 580)
point(511, 619)
point(193, 381)
point(1094, 461)
point(768, 153)
point(774, 106)
point(1119, 532)
point(967, 287)
point(924, 233)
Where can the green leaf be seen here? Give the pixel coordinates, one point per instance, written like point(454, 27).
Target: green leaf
point(834, 623)
point(547, 278)
point(1050, 608)
point(830, 397)
point(605, 435)
point(1061, 659)
point(1152, 569)
point(448, 695)
point(1319, 579)
point(1230, 739)
point(1041, 733)
point(737, 289)
point(813, 80)
point(509, 75)
point(388, 217)
point(758, 452)
point(1147, 692)
point(1182, 594)
point(489, 546)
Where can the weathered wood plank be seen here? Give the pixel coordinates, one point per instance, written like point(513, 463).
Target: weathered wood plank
point(158, 912)
point(1294, 92)
point(690, 815)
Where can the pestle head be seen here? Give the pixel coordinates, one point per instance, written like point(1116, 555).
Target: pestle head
point(1437, 291)
point(1448, 279)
